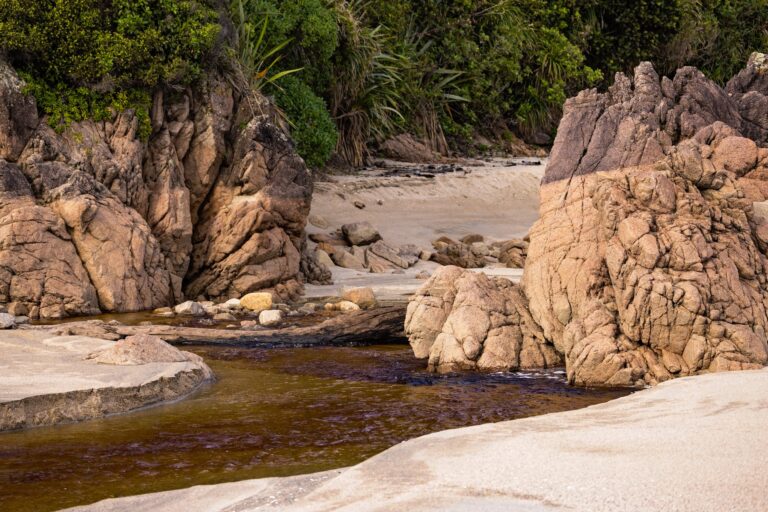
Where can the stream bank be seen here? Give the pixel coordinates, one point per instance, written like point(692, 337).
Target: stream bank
point(272, 412)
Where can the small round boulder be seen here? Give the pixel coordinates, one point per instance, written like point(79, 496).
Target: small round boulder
point(257, 302)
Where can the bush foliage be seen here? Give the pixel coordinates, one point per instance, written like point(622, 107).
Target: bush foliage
point(444, 70)
point(83, 57)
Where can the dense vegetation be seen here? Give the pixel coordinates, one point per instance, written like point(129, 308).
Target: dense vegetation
point(82, 58)
point(349, 73)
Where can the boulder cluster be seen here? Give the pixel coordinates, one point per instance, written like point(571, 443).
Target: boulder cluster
point(650, 257)
point(359, 246)
point(95, 217)
point(473, 251)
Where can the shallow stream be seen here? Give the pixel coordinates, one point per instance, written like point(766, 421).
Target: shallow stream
point(273, 412)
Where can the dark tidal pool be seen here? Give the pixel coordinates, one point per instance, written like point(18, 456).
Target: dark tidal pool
point(273, 412)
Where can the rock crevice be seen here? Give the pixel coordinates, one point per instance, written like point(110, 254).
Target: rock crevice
point(650, 257)
point(213, 204)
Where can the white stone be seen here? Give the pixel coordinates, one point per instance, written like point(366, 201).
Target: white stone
point(270, 317)
point(346, 306)
point(189, 308)
point(7, 321)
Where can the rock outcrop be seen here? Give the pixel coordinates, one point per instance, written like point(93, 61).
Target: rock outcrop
point(463, 320)
point(648, 261)
point(99, 218)
point(650, 257)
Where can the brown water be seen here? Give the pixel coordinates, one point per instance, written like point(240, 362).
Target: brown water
point(273, 412)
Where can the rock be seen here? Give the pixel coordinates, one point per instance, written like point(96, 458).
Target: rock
point(513, 253)
point(471, 239)
point(270, 317)
point(189, 308)
point(359, 204)
point(749, 91)
point(256, 302)
point(463, 320)
point(163, 312)
point(331, 239)
point(231, 304)
point(18, 114)
point(249, 324)
point(140, 349)
point(450, 252)
point(647, 262)
point(324, 259)
point(425, 255)
point(423, 275)
point(377, 264)
point(318, 221)
point(313, 269)
point(346, 306)
point(360, 233)
point(224, 317)
point(403, 258)
point(363, 296)
point(405, 148)
point(7, 321)
point(96, 220)
point(21, 320)
point(90, 328)
point(308, 308)
point(345, 259)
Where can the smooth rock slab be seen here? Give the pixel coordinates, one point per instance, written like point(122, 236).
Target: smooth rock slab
point(47, 380)
point(694, 444)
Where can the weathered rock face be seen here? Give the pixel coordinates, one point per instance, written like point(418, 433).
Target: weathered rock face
point(462, 320)
point(650, 257)
point(649, 261)
point(213, 204)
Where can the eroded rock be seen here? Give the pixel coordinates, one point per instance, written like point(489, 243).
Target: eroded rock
point(463, 320)
point(648, 262)
point(94, 219)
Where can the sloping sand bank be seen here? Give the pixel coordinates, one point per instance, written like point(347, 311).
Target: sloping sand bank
point(692, 444)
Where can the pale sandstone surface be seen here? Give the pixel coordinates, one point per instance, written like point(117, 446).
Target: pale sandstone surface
point(47, 379)
point(689, 445)
point(97, 218)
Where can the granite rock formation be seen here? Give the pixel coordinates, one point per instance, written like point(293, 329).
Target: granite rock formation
point(462, 320)
point(649, 260)
point(96, 218)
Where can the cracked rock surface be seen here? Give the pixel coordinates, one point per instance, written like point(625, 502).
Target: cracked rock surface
point(648, 260)
point(463, 320)
point(96, 219)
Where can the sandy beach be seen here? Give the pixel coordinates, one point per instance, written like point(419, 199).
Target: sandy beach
point(492, 198)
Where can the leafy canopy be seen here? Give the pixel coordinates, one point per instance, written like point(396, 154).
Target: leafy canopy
point(82, 57)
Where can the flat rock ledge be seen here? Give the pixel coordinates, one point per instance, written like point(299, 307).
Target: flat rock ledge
point(690, 444)
point(47, 380)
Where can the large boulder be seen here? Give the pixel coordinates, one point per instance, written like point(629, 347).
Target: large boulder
point(463, 320)
point(650, 257)
point(647, 261)
point(100, 218)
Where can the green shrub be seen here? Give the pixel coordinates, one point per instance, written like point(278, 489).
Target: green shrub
point(83, 57)
point(313, 129)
